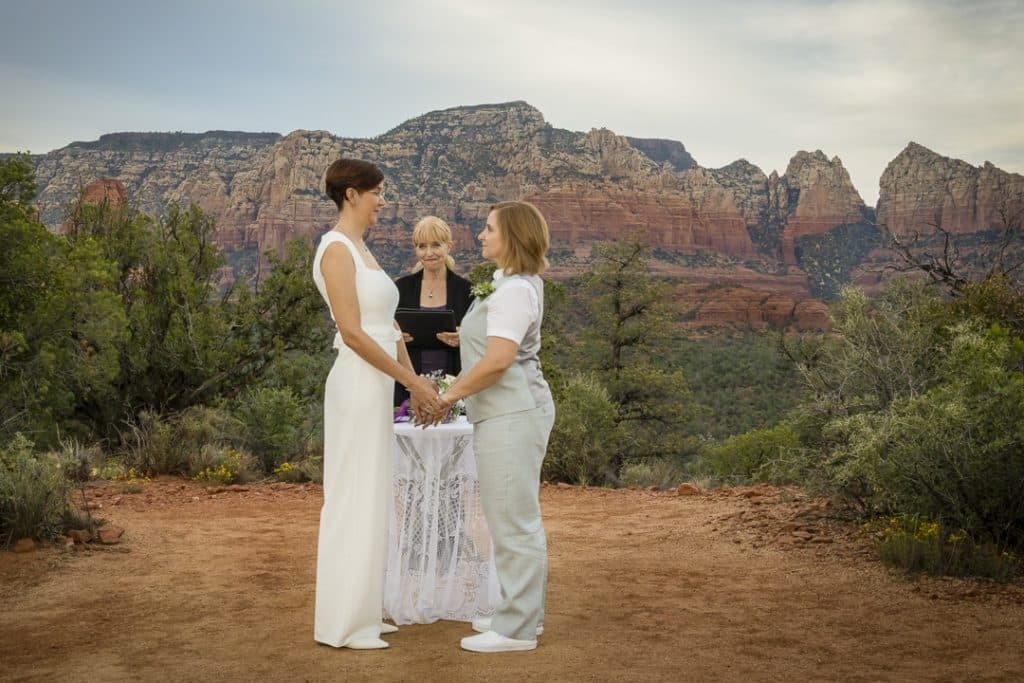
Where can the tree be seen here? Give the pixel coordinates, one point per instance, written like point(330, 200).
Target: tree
point(623, 342)
point(60, 323)
point(125, 314)
point(192, 340)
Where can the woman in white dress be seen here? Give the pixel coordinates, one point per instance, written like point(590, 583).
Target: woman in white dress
point(352, 548)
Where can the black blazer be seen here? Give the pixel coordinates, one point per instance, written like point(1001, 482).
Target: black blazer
point(410, 287)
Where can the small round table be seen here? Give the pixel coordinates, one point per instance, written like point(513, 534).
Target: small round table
point(440, 561)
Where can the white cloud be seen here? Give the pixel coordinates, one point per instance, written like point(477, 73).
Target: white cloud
point(855, 78)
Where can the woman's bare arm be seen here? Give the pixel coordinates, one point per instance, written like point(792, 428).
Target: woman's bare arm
point(339, 271)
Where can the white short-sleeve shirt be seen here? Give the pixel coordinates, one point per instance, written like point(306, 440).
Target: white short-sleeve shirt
point(511, 309)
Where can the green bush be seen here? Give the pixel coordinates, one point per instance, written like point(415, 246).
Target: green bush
point(153, 447)
point(219, 464)
point(583, 438)
point(955, 453)
point(170, 444)
point(123, 314)
point(200, 426)
point(745, 457)
point(78, 461)
point(290, 472)
point(917, 544)
point(661, 472)
point(312, 468)
point(272, 419)
point(34, 493)
point(919, 410)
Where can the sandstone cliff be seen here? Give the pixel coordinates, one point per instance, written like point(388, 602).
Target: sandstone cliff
point(799, 235)
point(920, 189)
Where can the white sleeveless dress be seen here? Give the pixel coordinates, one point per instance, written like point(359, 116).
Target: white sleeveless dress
point(358, 442)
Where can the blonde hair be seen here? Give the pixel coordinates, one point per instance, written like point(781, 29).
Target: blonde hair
point(433, 229)
point(525, 234)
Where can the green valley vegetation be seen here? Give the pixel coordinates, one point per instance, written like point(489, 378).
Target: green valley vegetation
point(636, 396)
point(910, 411)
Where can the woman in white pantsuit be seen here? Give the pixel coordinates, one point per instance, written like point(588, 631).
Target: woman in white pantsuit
point(510, 406)
point(352, 548)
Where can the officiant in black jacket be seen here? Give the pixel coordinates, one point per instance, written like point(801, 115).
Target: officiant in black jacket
point(433, 285)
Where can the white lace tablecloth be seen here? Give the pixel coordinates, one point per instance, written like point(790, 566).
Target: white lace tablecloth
point(440, 560)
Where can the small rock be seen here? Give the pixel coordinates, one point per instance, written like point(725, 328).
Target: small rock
point(563, 485)
point(117, 501)
point(93, 505)
point(687, 490)
point(80, 535)
point(109, 535)
point(544, 484)
point(24, 545)
point(653, 488)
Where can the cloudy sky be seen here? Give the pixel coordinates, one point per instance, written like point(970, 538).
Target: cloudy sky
point(757, 80)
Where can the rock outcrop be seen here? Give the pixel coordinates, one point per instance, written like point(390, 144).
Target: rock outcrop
point(920, 190)
point(799, 236)
point(815, 196)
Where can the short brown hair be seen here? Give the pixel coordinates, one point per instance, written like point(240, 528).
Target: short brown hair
point(350, 173)
point(525, 234)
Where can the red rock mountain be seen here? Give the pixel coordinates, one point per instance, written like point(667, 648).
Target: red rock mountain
point(795, 237)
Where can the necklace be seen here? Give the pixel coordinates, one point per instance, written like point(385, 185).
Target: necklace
point(430, 292)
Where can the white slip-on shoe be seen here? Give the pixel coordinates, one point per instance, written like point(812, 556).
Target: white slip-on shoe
point(483, 625)
point(495, 642)
point(366, 644)
point(386, 628)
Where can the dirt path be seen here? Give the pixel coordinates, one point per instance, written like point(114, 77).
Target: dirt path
point(643, 587)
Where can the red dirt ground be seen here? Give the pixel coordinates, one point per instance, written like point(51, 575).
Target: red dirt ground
point(730, 585)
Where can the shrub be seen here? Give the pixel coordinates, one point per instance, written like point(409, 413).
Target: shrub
point(153, 447)
point(79, 462)
point(168, 444)
point(745, 457)
point(583, 438)
point(288, 471)
point(218, 464)
point(918, 544)
point(954, 453)
point(34, 493)
point(919, 411)
point(661, 472)
point(199, 426)
point(272, 418)
point(312, 468)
